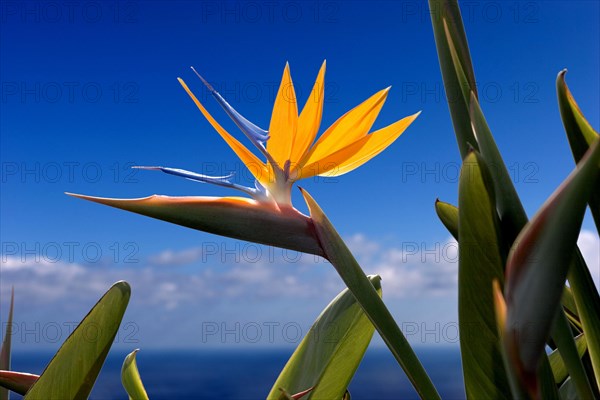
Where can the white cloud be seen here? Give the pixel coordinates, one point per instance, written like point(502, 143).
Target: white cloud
point(172, 258)
point(414, 269)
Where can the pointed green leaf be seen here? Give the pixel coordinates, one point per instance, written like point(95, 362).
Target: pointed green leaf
point(559, 370)
point(448, 10)
point(73, 370)
point(570, 357)
point(511, 212)
point(18, 382)
point(567, 390)
point(480, 263)
point(234, 217)
point(448, 214)
point(131, 380)
point(331, 351)
point(537, 268)
point(458, 78)
point(588, 305)
point(570, 307)
point(6, 344)
point(580, 133)
point(357, 282)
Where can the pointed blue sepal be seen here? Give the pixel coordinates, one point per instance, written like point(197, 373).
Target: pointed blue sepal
point(224, 181)
point(257, 135)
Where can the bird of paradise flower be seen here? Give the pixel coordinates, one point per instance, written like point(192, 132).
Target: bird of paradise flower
point(290, 152)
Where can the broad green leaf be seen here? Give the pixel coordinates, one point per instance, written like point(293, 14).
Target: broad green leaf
point(73, 370)
point(130, 378)
point(448, 214)
point(559, 370)
point(234, 217)
point(6, 344)
point(448, 10)
point(537, 268)
point(331, 351)
point(480, 264)
point(18, 382)
point(580, 133)
point(338, 254)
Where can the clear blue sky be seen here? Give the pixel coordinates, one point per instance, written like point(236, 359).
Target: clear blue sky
point(89, 89)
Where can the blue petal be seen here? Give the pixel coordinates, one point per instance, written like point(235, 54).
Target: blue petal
point(215, 180)
point(256, 134)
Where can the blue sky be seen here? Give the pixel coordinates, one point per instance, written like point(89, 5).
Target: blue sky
point(89, 89)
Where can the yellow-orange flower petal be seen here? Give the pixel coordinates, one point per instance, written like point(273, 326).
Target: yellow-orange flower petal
point(309, 120)
point(284, 121)
point(359, 152)
point(350, 127)
point(253, 163)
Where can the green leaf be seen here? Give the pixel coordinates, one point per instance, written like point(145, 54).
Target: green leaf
point(448, 10)
point(6, 344)
point(537, 269)
point(357, 282)
point(511, 212)
point(18, 382)
point(130, 378)
point(73, 370)
point(331, 351)
point(559, 370)
point(588, 305)
point(570, 307)
point(480, 263)
point(581, 136)
point(448, 214)
point(567, 390)
point(459, 80)
point(570, 357)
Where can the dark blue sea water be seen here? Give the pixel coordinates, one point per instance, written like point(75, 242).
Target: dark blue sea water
point(249, 374)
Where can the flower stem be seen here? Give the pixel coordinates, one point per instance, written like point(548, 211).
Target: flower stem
point(357, 282)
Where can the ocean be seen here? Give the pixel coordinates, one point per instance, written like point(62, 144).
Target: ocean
point(249, 374)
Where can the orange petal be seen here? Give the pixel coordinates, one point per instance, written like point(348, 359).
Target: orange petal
point(284, 121)
point(359, 152)
point(253, 163)
point(310, 119)
point(234, 217)
point(353, 125)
